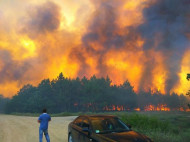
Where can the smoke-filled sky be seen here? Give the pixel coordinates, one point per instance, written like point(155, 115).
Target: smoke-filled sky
point(144, 41)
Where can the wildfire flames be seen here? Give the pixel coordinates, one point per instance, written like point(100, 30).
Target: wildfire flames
point(160, 107)
point(143, 41)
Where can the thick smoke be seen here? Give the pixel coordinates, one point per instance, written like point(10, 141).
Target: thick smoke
point(12, 70)
point(165, 30)
point(103, 35)
point(36, 24)
point(101, 31)
point(150, 36)
point(42, 19)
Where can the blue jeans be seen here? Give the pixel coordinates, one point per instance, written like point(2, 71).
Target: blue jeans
point(45, 133)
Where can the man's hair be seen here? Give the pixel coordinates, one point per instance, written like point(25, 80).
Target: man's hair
point(44, 110)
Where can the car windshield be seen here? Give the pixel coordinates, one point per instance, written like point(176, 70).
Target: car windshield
point(108, 125)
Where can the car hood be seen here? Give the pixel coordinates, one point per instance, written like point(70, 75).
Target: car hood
point(129, 136)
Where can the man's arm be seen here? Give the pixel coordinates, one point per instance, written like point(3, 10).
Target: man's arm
point(39, 119)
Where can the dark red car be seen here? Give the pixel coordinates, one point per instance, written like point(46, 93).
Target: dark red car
point(102, 128)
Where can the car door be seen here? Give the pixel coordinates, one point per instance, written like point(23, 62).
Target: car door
point(76, 129)
point(86, 136)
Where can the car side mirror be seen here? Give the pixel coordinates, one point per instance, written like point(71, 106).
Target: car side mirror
point(86, 129)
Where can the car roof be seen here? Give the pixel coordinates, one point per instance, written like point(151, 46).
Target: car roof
point(98, 116)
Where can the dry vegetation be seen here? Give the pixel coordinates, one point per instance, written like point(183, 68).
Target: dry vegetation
point(25, 129)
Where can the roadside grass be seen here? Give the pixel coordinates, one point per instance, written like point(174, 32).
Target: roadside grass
point(24, 114)
point(38, 114)
point(160, 126)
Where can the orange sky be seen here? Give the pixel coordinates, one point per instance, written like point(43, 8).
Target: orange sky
point(39, 39)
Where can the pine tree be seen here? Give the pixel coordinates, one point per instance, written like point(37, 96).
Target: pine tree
point(188, 78)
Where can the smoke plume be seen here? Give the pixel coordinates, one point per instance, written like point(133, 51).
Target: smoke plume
point(143, 41)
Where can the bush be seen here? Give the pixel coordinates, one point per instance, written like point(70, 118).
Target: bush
point(144, 122)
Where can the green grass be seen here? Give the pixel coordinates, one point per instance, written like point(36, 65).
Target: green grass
point(24, 114)
point(144, 122)
point(160, 126)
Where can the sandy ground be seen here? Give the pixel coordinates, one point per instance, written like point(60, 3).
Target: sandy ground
point(25, 129)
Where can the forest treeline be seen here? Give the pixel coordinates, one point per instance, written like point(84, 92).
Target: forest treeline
point(94, 94)
point(3, 103)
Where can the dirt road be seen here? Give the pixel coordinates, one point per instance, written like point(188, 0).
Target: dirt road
point(25, 129)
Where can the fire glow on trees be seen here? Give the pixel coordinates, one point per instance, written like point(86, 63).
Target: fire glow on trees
point(144, 41)
point(159, 107)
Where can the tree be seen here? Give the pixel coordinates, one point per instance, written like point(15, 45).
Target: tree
point(188, 78)
point(46, 95)
point(3, 102)
point(94, 94)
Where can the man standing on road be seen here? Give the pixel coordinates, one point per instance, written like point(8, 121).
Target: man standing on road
point(44, 120)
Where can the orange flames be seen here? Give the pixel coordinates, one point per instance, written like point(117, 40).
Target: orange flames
point(114, 108)
point(160, 107)
point(41, 39)
point(150, 107)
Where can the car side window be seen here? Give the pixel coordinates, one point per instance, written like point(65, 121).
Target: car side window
point(85, 123)
point(107, 124)
point(78, 121)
